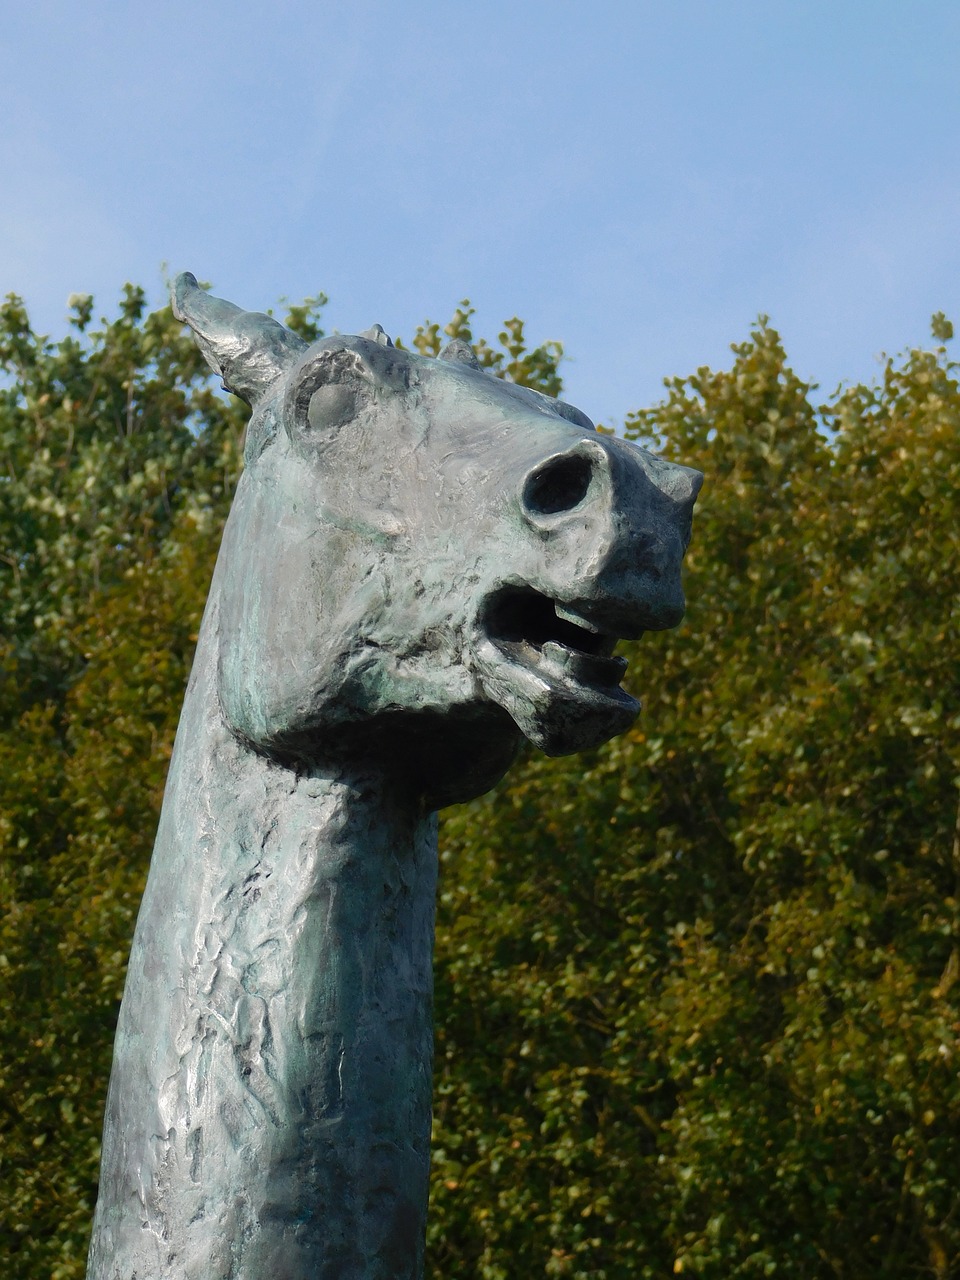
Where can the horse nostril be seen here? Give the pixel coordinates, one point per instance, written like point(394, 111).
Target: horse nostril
point(559, 484)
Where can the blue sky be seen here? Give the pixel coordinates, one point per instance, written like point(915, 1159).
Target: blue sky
point(638, 180)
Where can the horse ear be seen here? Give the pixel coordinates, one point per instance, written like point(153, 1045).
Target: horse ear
point(461, 352)
point(377, 333)
point(250, 351)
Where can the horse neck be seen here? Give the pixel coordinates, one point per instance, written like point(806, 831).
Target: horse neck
point(275, 1040)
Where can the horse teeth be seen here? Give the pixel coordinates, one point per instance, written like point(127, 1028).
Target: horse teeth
point(557, 653)
point(566, 615)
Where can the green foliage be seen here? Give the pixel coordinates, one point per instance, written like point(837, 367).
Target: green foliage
point(514, 361)
point(97, 434)
point(697, 992)
point(117, 462)
point(304, 317)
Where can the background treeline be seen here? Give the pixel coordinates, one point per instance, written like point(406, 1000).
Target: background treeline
point(697, 992)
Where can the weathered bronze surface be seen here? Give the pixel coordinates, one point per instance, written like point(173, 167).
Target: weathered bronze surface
point(423, 566)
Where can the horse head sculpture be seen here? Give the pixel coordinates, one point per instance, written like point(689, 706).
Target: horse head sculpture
point(423, 566)
point(416, 541)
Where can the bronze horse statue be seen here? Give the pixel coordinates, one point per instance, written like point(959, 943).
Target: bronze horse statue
point(423, 566)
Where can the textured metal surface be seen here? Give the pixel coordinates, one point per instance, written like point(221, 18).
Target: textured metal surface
point(422, 566)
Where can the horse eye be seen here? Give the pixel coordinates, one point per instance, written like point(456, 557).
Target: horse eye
point(331, 406)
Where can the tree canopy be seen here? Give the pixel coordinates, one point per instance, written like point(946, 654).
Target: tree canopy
point(697, 997)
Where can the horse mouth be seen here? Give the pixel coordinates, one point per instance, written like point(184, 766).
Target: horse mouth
point(536, 631)
point(553, 670)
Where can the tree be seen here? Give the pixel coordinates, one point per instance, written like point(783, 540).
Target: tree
point(118, 461)
point(697, 994)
